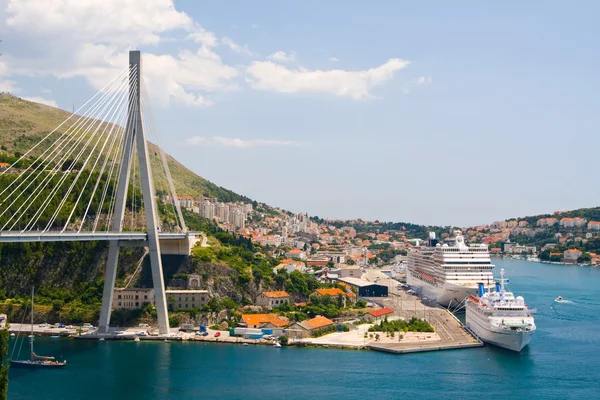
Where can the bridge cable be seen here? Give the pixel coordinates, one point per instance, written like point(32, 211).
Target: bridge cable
point(44, 181)
point(62, 123)
point(58, 143)
point(116, 116)
point(77, 144)
point(165, 165)
point(128, 125)
point(112, 110)
point(68, 153)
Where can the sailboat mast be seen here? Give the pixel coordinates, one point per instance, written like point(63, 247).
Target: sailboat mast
point(31, 339)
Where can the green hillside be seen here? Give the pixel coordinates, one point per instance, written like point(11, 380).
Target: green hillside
point(24, 123)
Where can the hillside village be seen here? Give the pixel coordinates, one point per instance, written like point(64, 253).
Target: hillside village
point(309, 242)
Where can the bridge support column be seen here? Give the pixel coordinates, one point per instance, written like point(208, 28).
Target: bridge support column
point(135, 134)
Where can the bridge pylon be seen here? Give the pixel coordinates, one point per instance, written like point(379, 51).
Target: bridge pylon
point(135, 136)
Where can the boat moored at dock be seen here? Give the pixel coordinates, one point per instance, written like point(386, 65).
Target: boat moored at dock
point(499, 318)
point(448, 272)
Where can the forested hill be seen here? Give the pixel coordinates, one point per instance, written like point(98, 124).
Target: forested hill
point(24, 123)
point(591, 214)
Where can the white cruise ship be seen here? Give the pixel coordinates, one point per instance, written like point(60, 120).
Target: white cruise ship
point(449, 272)
point(499, 318)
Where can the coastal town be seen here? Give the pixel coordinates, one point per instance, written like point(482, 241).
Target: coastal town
point(361, 242)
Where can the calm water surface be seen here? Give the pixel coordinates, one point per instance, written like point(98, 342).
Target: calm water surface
point(562, 362)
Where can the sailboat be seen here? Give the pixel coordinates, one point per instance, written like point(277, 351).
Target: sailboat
point(36, 361)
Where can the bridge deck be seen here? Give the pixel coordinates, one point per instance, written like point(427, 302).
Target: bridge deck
point(18, 237)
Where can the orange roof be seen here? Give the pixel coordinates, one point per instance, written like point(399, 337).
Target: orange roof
point(381, 311)
point(330, 292)
point(257, 319)
point(573, 251)
point(276, 294)
point(184, 197)
point(318, 322)
point(294, 251)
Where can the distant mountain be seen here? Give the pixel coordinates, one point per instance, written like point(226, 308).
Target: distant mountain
point(23, 123)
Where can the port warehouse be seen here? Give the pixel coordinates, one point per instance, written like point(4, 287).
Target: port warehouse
point(366, 288)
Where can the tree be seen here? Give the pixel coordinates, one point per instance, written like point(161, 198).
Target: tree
point(3, 368)
point(283, 340)
point(350, 262)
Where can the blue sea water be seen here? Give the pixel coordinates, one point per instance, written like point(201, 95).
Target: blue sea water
point(562, 361)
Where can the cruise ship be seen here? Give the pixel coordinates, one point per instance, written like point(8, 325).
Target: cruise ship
point(499, 318)
point(449, 272)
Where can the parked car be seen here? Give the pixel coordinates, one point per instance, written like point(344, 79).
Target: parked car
point(70, 327)
point(202, 333)
point(88, 325)
point(217, 334)
point(141, 333)
point(59, 325)
point(117, 332)
point(144, 326)
point(44, 325)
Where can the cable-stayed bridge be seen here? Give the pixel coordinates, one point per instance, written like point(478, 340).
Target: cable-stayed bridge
point(92, 178)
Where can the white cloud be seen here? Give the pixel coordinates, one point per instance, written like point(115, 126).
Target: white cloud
point(242, 143)
point(236, 47)
point(281, 56)
point(201, 35)
point(45, 90)
point(195, 140)
point(91, 39)
point(334, 59)
point(37, 99)
point(126, 22)
point(422, 80)
point(267, 75)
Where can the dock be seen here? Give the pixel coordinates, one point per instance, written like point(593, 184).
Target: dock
point(451, 333)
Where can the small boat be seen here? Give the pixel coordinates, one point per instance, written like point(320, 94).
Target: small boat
point(36, 361)
point(559, 299)
point(101, 339)
point(54, 337)
point(137, 339)
point(277, 344)
point(12, 335)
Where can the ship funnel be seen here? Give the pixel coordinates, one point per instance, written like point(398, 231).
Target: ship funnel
point(481, 289)
point(431, 235)
point(498, 287)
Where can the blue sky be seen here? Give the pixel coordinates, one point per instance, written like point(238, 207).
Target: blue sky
point(428, 112)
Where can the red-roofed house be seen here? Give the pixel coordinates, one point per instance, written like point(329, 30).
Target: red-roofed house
point(376, 315)
point(296, 253)
point(307, 328)
point(260, 320)
point(273, 299)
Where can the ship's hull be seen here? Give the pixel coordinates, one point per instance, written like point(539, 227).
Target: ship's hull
point(35, 364)
point(447, 294)
point(508, 339)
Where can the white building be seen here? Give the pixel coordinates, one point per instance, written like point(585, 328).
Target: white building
point(185, 201)
point(239, 220)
